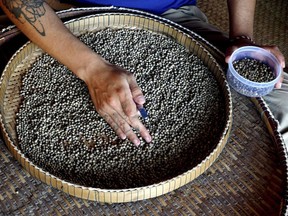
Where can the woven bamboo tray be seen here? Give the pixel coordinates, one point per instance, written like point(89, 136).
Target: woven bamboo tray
point(10, 100)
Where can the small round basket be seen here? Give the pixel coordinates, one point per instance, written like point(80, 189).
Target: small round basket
point(10, 101)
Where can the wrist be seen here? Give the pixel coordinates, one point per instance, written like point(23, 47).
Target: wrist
point(241, 39)
point(92, 64)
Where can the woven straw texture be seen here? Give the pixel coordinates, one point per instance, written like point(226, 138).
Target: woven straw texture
point(248, 178)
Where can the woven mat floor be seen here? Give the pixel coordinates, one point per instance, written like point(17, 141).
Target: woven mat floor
point(270, 24)
point(248, 178)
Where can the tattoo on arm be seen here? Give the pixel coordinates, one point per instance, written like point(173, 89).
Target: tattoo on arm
point(28, 10)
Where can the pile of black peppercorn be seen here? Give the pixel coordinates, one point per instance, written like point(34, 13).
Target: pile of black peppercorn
point(60, 131)
point(254, 70)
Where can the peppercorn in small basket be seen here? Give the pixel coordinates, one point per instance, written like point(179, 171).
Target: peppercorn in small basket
point(11, 84)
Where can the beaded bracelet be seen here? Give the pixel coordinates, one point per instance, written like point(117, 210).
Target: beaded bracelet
point(232, 40)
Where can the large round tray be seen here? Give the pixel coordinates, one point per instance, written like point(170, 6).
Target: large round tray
point(10, 100)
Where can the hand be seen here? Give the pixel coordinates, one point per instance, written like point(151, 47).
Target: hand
point(115, 95)
point(113, 90)
point(246, 42)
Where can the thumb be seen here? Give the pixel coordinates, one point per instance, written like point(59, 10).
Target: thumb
point(229, 52)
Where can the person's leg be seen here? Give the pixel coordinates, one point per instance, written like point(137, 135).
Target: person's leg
point(277, 101)
point(192, 18)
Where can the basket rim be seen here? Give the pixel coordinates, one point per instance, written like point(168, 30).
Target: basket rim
point(214, 153)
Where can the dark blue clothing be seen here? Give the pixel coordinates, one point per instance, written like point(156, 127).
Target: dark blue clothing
point(152, 6)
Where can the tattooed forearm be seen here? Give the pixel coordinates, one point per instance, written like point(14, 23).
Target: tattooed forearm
point(27, 10)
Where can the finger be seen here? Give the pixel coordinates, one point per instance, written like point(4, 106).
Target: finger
point(140, 128)
point(229, 52)
point(131, 118)
point(135, 122)
point(120, 121)
point(121, 127)
point(235, 44)
point(104, 110)
point(278, 85)
point(114, 125)
point(139, 99)
point(130, 110)
point(136, 92)
point(111, 109)
point(123, 123)
point(275, 51)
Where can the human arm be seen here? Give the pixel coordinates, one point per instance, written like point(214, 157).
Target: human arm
point(113, 90)
point(241, 19)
